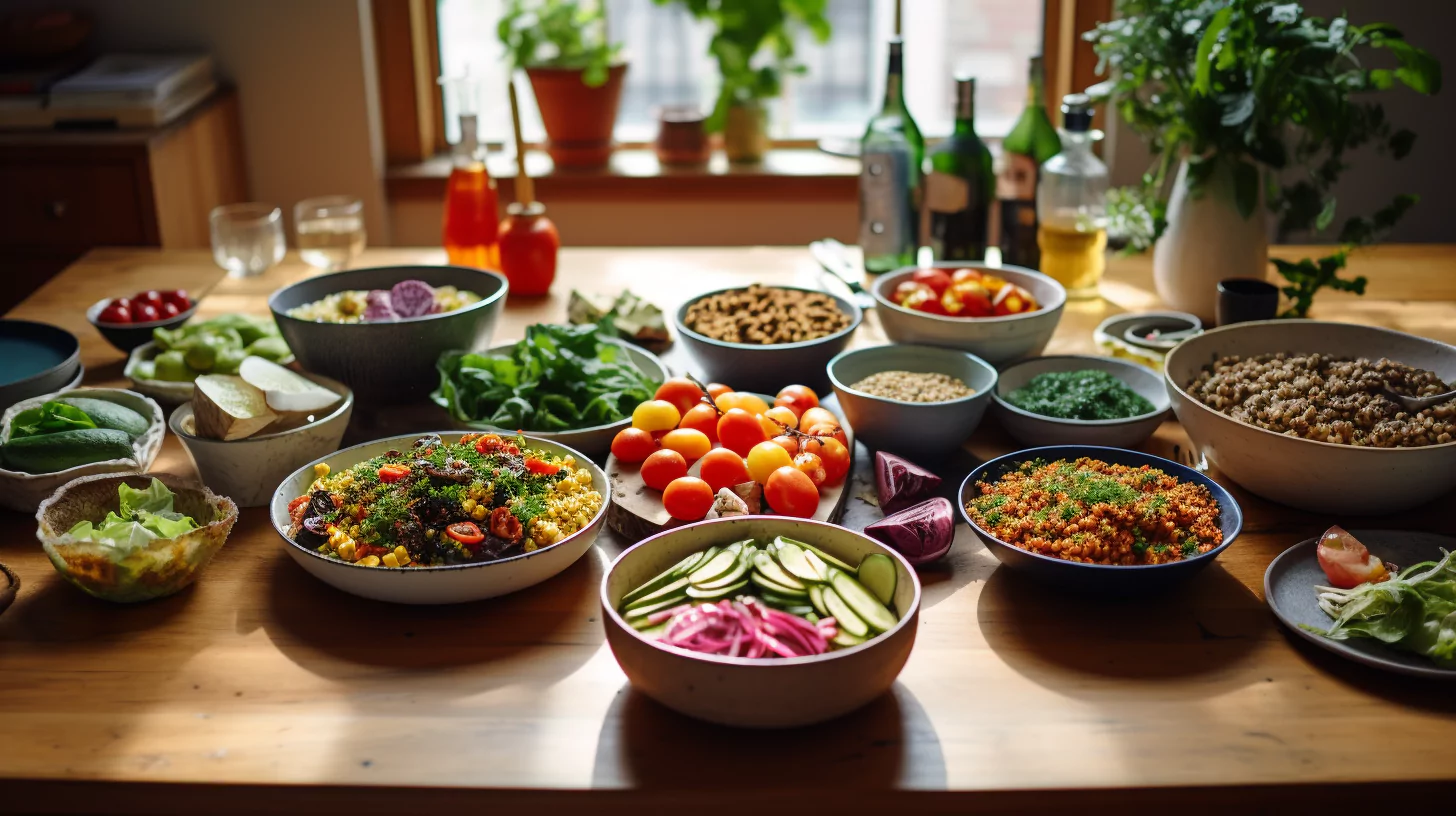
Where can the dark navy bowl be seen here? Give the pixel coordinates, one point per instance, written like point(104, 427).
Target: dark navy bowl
point(126, 337)
point(1101, 579)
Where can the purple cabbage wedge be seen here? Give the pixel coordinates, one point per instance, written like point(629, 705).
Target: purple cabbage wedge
point(900, 483)
point(921, 533)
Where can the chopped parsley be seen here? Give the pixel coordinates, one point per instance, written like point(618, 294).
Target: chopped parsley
point(1086, 395)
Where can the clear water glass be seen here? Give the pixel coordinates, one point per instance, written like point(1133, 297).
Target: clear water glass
point(330, 231)
point(247, 239)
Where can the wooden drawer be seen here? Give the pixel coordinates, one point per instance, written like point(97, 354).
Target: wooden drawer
point(71, 204)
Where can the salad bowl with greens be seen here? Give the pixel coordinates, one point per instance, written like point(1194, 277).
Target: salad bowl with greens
point(133, 537)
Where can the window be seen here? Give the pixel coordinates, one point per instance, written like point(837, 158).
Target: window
point(668, 64)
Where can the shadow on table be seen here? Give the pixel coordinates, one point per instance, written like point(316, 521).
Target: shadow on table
point(57, 612)
point(888, 744)
point(1420, 693)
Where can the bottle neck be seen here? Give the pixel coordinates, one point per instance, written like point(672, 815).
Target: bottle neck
point(1075, 141)
point(1034, 84)
point(895, 78)
point(965, 114)
point(468, 149)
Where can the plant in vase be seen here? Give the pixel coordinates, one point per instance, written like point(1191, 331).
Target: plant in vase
point(1255, 107)
point(575, 73)
point(753, 44)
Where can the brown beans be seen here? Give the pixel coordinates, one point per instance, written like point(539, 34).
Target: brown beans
point(766, 315)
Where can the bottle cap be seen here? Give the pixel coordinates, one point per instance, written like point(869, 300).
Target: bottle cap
point(1077, 113)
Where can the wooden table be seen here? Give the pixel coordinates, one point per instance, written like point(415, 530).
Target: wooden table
point(262, 688)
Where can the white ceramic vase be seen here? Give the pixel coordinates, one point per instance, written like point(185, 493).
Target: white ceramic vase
point(1207, 241)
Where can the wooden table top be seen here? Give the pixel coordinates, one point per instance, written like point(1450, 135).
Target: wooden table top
point(262, 687)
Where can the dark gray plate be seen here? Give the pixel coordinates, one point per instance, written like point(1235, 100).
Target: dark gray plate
point(1289, 587)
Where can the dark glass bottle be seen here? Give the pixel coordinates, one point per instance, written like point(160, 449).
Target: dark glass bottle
point(1031, 142)
point(960, 186)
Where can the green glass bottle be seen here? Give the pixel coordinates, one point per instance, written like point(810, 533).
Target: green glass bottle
point(960, 186)
point(1031, 142)
point(890, 178)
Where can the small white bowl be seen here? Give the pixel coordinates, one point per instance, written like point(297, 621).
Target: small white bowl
point(248, 470)
point(170, 393)
point(25, 491)
point(1039, 431)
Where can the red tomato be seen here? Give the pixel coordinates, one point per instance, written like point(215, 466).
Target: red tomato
point(790, 493)
point(716, 390)
point(390, 474)
point(739, 431)
point(926, 301)
point(937, 279)
point(681, 392)
point(812, 466)
point(966, 275)
point(974, 298)
point(466, 533)
point(832, 431)
point(801, 395)
point(788, 443)
point(151, 296)
point(115, 312)
point(815, 416)
point(528, 246)
point(169, 309)
point(701, 417)
point(907, 289)
point(541, 467)
point(662, 467)
point(178, 298)
point(722, 468)
point(632, 445)
point(142, 312)
point(834, 455)
point(687, 498)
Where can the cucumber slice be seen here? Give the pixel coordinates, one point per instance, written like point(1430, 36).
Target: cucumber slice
point(715, 568)
point(821, 569)
point(773, 586)
point(676, 589)
point(844, 640)
point(649, 631)
point(843, 615)
point(862, 601)
point(827, 558)
point(704, 594)
point(677, 571)
point(878, 574)
point(739, 572)
point(764, 564)
point(801, 610)
point(816, 597)
point(791, 558)
point(641, 613)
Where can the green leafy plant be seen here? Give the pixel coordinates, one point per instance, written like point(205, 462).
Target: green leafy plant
point(559, 34)
point(1265, 88)
point(753, 44)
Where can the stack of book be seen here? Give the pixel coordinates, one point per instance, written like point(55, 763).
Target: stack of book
point(115, 90)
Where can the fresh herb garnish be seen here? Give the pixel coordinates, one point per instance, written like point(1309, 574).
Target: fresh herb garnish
point(1086, 395)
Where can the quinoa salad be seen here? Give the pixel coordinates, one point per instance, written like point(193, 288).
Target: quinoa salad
point(439, 503)
point(914, 386)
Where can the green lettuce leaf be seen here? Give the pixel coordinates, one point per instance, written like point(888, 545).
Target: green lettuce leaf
point(52, 417)
point(145, 515)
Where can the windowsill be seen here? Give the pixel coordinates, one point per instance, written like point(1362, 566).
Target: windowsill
point(796, 174)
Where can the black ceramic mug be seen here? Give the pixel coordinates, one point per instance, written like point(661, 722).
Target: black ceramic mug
point(1243, 299)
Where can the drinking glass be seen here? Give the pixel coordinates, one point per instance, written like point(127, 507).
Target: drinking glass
point(247, 239)
point(330, 230)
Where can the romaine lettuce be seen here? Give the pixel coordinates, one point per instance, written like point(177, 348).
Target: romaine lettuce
point(145, 515)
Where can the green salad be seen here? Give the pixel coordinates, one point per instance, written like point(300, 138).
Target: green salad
point(1413, 610)
point(143, 517)
point(559, 378)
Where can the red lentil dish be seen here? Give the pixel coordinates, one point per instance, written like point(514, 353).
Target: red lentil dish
point(1098, 513)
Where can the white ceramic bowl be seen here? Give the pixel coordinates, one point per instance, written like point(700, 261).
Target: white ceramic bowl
point(170, 393)
point(25, 491)
point(1037, 430)
point(757, 693)
point(997, 340)
point(1317, 476)
point(249, 470)
point(434, 585)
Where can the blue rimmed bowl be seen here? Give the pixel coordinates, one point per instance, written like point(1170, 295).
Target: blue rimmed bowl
point(1101, 579)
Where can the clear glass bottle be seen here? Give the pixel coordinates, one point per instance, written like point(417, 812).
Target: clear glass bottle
point(1030, 143)
point(1071, 204)
point(960, 186)
point(890, 178)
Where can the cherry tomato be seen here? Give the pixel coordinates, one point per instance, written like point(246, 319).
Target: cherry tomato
point(926, 301)
point(1013, 300)
point(687, 498)
point(834, 455)
point(797, 398)
point(389, 474)
point(771, 427)
point(950, 304)
point(788, 443)
point(722, 468)
point(681, 392)
point(790, 493)
point(688, 442)
point(937, 279)
point(655, 415)
point(973, 297)
point(178, 298)
point(701, 417)
point(465, 532)
point(908, 289)
point(144, 312)
point(716, 390)
point(541, 467)
point(831, 431)
point(966, 275)
point(739, 431)
point(169, 309)
point(662, 467)
point(783, 415)
point(151, 296)
point(764, 459)
point(115, 312)
point(633, 445)
point(751, 403)
point(816, 416)
point(812, 466)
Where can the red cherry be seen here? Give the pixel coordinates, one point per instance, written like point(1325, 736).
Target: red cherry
point(144, 312)
point(169, 309)
point(115, 312)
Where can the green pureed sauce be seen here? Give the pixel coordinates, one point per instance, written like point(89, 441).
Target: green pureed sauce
point(1084, 394)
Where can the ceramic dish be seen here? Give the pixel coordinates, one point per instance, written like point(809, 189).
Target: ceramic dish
point(1320, 477)
point(595, 441)
point(754, 367)
point(161, 569)
point(1289, 589)
point(35, 358)
point(248, 470)
point(1111, 335)
point(920, 431)
point(170, 393)
point(434, 585)
point(23, 491)
point(388, 362)
point(997, 340)
point(9, 588)
point(757, 693)
point(1101, 579)
point(127, 336)
point(1035, 429)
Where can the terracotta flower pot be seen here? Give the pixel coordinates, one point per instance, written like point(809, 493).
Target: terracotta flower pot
point(578, 118)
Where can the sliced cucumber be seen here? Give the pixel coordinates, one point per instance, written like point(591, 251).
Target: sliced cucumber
point(801, 610)
point(716, 567)
point(768, 585)
point(878, 574)
point(716, 594)
point(677, 571)
point(676, 589)
point(843, 615)
point(844, 640)
point(641, 613)
point(816, 597)
point(862, 601)
point(738, 573)
point(764, 564)
point(828, 559)
point(791, 557)
point(647, 630)
point(821, 569)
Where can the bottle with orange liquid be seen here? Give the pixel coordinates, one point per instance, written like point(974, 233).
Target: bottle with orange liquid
point(471, 230)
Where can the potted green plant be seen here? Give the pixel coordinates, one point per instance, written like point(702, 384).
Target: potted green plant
point(1256, 107)
point(575, 73)
point(753, 44)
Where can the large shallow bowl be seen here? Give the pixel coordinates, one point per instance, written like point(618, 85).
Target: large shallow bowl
point(388, 363)
point(35, 358)
point(920, 431)
point(161, 568)
point(249, 470)
point(126, 336)
point(753, 367)
point(1321, 477)
point(762, 693)
point(1101, 579)
point(434, 585)
point(23, 491)
point(1035, 429)
point(997, 340)
point(596, 440)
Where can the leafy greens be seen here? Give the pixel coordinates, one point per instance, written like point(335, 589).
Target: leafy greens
point(52, 417)
point(558, 378)
point(1414, 611)
point(144, 516)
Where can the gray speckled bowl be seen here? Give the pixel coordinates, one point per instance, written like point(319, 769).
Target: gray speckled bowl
point(919, 431)
point(388, 363)
point(1037, 430)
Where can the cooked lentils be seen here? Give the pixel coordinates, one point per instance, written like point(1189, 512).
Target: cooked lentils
point(912, 386)
point(1327, 399)
point(766, 315)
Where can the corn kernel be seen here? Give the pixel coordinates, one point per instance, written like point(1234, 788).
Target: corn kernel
point(478, 513)
point(346, 551)
point(369, 561)
point(321, 469)
point(401, 555)
point(468, 505)
point(389, 560)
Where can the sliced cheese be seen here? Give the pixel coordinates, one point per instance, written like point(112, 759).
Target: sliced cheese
point(285, 390)
point(226, 407)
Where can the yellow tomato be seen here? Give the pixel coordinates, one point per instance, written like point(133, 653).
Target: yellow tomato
point(765, 458)
point(655, 415)
point(689, 442)
point(815, 416)
point(751, 403)
point(784, 415)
